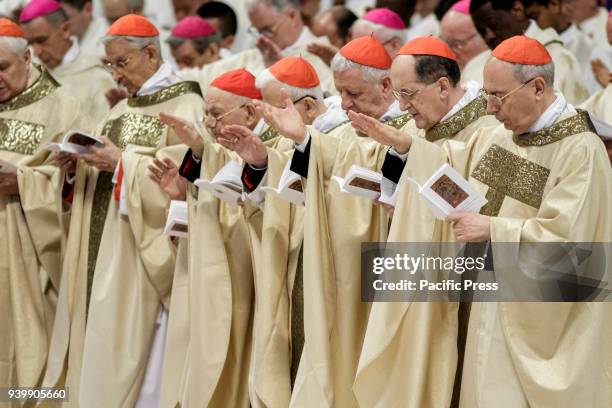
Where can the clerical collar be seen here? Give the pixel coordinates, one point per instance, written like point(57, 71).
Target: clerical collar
point(466, 115)
point(393, 112)
point(163, 77)
point(73, 52)
point(545, 37)
point(552, 114)
point(333, 116)
point(472, 89)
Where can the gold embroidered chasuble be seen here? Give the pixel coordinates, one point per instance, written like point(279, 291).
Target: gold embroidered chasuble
point(32, 225)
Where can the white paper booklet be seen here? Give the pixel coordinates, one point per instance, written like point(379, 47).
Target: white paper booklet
point(76, 142)
point(447, 192)
point(226, 185)
point(290, 187)
point(177, 224)
point(360, 182)
point(123, 209)
point(6, 167)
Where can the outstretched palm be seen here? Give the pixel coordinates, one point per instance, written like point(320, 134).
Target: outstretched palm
point(244, 142)
point(166, 175)
point(383, 134)
point(287, 121)
point(184, 130)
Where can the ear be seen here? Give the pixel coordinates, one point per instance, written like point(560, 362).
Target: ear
point(228, 41)
point(152, 53)
point(445, 87)
point(518, 10)
point(27, 56)
point(252, 115)
point(213, 50)
point(310, 104)
point(88, 9)
point(386, 85)
point(65, 27)
point(540, 86)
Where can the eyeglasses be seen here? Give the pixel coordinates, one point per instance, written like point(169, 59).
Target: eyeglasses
point(460, 44)
point(214, 120)
point(121, 64)
point(497, 101)
point(408, 96)
point(302, 98)
point(267, 31)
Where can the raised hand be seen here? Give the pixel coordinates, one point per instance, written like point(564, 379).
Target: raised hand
point(185, 131)
point(287, 121)
point(246, 143)
point(104, 158)
point(9, 184)
point(166, 174)
point(270, 52)
point(115, 95)
point(383, 134)
point(601, 72)
point(324, 51)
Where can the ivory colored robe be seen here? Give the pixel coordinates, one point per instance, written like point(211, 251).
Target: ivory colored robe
point(252, 61)
point(568, 79)
point(416, 342)
point(88, 81)
point(108, 361)
point(473, 70)
point(520, 354)
point(32, 226)
point(335, 224)
point(600, 104)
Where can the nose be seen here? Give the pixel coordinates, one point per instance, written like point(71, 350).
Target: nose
point(404, 105)
point(347, 102)
point(37, 49)
point(117, 76)
point(492, 108)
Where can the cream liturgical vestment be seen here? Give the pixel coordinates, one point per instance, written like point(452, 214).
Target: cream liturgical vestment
point(416, 342)
point(253, 62)
point(32, 227)
point(132, 258)
point(335, 224)
point(568, 79)
point(553, 184)
point(83, 76)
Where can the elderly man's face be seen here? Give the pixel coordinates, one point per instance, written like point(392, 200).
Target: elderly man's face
point(273, 24)
point(79, 19)
point(49, 42)
point(423, 101)
point(13, 73)
point(131, 67)
point(224, 108)
point(459, 33)
point(495, 26)
point(516, 110)
point(360, 95)
point(187, 56)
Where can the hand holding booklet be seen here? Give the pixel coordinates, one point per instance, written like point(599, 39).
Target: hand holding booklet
point(226, 185)
point(289, 187)
point(7, 168)
point(360, 182)
point(177, 224)
point(75, 142)
point(447, 192)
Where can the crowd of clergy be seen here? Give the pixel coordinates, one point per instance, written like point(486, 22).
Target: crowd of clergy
point(258, 303)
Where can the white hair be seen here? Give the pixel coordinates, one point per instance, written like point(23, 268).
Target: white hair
point(525, 72)
point(278, 5)
point(242, 100)
point(138, 43)
point(16, 45)
point(372, 75)
point(380, 32)
point(265, 77)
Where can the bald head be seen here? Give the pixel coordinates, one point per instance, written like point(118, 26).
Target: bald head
point(113, 9)
point(459, 32)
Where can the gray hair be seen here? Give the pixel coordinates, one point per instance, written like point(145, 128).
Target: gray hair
point(382, 33)
point(372, 75)
point(16, 45)
point(138, 43)
point(295, 93)
point(278, 5)
point(57, 18)
point(200, 43)
point(527, 72)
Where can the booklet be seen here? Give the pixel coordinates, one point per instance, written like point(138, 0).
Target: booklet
point(6, 167)
point(76, 142)
point(360, 182)
point(226, 185)
point(447, 192)
point(290, 187)
point(177, 224)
